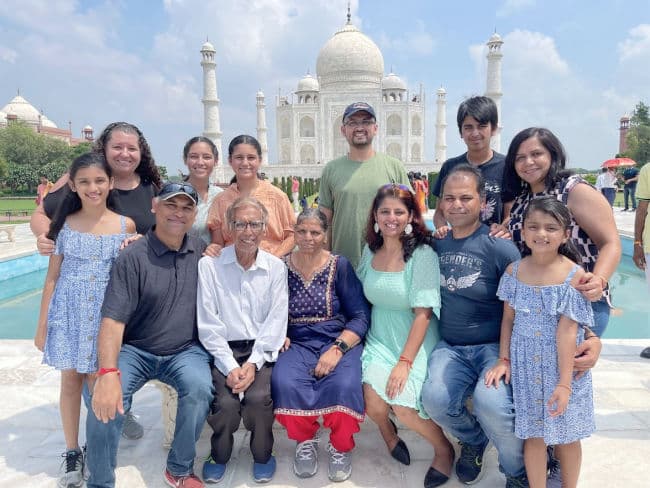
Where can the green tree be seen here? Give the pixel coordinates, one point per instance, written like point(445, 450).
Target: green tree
point(163, 172)
point(638, 137)
point(80, 149)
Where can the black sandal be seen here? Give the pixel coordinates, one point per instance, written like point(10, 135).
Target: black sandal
point(434, 478)
point(400, 452)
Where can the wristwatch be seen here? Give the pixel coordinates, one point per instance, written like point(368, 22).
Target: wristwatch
point(341, 345)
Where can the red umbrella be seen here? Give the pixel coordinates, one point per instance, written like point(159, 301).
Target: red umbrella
point(618, 163)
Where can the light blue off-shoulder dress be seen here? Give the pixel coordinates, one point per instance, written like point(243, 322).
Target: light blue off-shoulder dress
point(533, 356)
point(74, 313)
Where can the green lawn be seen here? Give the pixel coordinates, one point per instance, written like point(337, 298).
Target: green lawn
point(22, 204)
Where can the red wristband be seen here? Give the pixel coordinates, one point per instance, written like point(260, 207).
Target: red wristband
point(507, 360)
point(103, 371)
point(406, 360)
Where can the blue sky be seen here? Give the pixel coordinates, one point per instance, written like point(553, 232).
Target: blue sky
point(574, 66)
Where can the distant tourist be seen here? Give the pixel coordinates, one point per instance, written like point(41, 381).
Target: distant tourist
point(295, 193)
point(88, 236)
point(303, 203)
point(242, 307)
point(43, 188)
point(245, 157)
point(349, 184)
point(478, 121)
point(630, 179)
point(148, 331)
point(642, 230)
point(606, 184)
point(544, 317)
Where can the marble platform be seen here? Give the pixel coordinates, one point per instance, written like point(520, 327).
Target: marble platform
point(31, 439)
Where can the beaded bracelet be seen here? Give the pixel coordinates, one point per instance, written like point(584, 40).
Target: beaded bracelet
point(565, 386)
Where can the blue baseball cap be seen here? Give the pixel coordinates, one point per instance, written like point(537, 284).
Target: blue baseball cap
point(356, 107)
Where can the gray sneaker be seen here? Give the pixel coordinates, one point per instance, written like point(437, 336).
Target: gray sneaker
point(72, 469)
point(340, 464)
point(305, 462)
point(131, 429)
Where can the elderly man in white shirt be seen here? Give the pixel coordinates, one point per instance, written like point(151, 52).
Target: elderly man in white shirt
point(242, 310)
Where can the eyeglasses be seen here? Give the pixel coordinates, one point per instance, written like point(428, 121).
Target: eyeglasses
point(255, 225)
point(353, 124)
point(172, 189)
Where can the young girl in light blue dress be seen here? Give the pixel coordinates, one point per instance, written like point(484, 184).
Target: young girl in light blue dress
point(542, 315)
point(88, 236)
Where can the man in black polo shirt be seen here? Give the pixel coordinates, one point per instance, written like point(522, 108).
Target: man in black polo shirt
point(148, 331)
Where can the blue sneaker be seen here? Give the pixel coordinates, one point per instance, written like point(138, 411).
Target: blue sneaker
point(212, 471)
point(469, 467)
point(263, 472)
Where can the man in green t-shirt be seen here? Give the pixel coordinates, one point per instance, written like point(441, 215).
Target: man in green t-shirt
point(642, 230)
point(349, 184)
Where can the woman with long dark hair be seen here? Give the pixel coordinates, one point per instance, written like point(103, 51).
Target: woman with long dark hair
point(401, 279)
point(535, 166)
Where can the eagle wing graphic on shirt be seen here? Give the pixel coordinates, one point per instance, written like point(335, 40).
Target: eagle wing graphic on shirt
point(453, 284)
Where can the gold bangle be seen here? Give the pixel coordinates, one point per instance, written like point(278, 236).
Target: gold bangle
point(565, 386)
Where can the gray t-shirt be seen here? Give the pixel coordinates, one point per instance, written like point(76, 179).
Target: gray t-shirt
point(470, 270)
point(152, 290)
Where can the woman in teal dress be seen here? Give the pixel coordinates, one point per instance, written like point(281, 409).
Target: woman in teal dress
point(401, 279)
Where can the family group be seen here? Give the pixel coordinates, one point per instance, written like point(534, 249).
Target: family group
point(484, 330)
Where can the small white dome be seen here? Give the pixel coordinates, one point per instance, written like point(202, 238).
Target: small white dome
point(307, 83)
point(207, 46)
point(260, 94)
point(45, 122)
point(23, 110)
point(495, 38)
point(441, 91)
point(87, 127)
point(350, 58)
point(392, 82)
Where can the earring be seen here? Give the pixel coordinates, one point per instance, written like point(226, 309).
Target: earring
point(408, 229)
point(376, 228)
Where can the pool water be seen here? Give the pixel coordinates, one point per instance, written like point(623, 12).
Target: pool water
point(20, 301)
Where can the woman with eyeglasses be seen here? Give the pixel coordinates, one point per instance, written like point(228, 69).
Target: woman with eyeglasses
point(245, 157)
point(200, 155)
point(401, 279)
point(318, 372)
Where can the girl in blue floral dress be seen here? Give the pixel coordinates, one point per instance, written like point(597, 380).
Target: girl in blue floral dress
point(539, 334)
point(88, 236)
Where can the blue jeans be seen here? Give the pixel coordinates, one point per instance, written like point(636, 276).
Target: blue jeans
point(188, 372)
point(610, 195)
point(629, 191)
point(601, 316)
point(455, 373)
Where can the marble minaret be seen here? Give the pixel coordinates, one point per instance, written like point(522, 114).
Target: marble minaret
point(261, 127)
point(493, 86)
point(441, 127)
point(211, 124)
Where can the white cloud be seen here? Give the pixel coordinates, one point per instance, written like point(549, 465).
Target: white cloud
point(637, 45)
point(511, 6)
point(8, 55)
point(416, 42)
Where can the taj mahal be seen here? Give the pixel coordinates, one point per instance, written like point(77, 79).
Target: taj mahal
point(349, 68)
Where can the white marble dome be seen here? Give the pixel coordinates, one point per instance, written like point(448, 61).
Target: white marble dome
point(45, 122)
point(308, 83)
point(207, 46)
point(495, 38)
point(393, 82)
point(22, 109)
point(350, 58)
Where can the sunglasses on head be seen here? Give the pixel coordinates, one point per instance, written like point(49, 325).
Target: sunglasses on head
point(179, 188)
point(394, 186)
